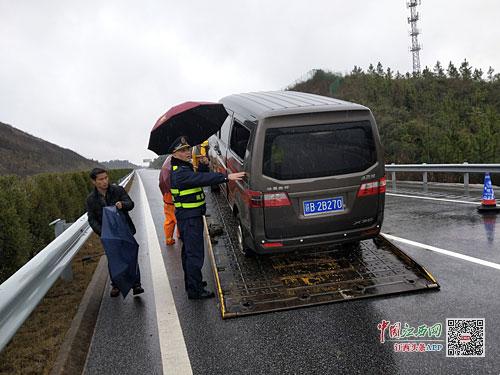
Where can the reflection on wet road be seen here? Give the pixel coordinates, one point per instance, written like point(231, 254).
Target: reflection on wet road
point(344, 337)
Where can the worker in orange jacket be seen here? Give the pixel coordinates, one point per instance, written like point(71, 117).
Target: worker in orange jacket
point(199, 152)
point(168, 204)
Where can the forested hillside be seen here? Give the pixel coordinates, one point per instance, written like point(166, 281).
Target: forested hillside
point(23, 154)
point(29, 204)
point(443, 115)
point(118, 164)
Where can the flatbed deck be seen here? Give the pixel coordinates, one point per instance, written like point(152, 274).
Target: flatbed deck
point(251, 285)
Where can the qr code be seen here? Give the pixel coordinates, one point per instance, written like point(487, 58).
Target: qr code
point(465, 337)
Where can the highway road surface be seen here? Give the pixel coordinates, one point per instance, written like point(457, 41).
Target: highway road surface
point(164, 332)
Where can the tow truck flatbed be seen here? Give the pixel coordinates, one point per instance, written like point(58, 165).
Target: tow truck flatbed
point(318, 275)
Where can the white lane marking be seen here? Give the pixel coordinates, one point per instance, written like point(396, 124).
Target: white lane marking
point(433, 199)
point(175, 359)
point(445, 252)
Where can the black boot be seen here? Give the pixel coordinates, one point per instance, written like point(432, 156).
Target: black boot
point(137, 290)
point(202, 294)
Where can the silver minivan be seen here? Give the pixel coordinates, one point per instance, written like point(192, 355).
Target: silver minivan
point(315, 170)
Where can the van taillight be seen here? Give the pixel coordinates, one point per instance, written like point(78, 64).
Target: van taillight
point(258, 199)
point(382, 185)
point(372, 188)
point(254, 198)
point(276, 200)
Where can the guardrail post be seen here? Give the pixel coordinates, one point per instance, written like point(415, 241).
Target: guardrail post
point(425, 178)
point(59, 227)
point(393, 177)
point(466, 179)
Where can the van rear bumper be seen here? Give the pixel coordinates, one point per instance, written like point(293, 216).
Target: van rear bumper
point(297, 243)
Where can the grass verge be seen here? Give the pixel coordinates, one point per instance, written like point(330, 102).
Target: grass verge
point(36, 344)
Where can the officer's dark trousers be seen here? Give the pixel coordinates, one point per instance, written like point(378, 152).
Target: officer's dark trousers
point(193, 252)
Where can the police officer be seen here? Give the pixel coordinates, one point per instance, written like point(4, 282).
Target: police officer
point(189, 202)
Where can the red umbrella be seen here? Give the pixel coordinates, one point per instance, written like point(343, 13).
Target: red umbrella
point(195, 120)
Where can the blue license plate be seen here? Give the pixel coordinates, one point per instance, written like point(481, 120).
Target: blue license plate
point(321, 206)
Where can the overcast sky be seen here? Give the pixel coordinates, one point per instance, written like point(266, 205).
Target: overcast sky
point(94, 76)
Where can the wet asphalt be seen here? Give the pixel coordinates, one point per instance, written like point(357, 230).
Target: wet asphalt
point(126, 339)
point(338, 338)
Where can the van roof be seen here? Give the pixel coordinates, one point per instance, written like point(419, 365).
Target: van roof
point(259, 105)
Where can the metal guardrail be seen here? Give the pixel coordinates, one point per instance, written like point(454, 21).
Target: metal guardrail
point(464, 168)
point(23, 291)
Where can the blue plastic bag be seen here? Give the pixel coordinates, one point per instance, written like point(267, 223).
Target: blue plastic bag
point(121, 249)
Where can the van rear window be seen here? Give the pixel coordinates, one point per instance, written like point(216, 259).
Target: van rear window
point(319, 150)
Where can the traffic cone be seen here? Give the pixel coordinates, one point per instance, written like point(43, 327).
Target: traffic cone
point(488, 202)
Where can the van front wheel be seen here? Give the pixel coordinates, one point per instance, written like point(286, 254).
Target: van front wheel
point(241, 237)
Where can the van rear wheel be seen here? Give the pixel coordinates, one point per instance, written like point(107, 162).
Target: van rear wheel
point(241, 238)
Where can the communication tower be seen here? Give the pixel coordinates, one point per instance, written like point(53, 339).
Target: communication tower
point(415, 47)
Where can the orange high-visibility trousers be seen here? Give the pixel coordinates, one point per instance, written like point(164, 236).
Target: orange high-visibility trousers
point(170, 221)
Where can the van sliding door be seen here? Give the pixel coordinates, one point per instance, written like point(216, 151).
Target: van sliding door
point(240, 135)
point(219, 146)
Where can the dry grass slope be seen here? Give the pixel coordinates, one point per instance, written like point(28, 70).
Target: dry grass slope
point(35, 346)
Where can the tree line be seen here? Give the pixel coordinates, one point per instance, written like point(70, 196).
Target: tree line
point(29, 204)
point(440, 115)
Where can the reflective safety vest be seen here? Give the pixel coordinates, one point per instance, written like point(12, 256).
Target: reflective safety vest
point(187, 198)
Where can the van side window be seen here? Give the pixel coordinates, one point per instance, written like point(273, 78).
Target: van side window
point(224, 131)
point(239, 139)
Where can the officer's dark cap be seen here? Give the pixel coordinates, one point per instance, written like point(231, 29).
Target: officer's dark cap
point(178, 144)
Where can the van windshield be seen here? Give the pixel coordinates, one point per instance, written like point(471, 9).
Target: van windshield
point(319, 150)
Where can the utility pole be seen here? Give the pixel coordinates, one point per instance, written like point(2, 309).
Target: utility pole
point(415, 47)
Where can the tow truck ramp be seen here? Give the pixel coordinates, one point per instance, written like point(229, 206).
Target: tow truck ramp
point(252, 285)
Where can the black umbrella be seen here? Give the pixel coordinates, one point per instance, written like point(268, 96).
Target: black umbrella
point(121, 249)
point(195, 120)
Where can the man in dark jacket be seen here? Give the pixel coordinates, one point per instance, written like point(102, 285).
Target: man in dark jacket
point(105, 194)
point(189, 201)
